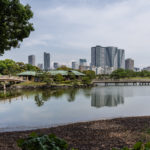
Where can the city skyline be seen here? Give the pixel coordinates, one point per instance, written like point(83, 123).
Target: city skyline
point(67, 29)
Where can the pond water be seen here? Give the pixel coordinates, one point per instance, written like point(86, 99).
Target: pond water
point(31, 109)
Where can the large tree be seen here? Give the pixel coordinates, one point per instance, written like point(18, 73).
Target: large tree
point(14, 23)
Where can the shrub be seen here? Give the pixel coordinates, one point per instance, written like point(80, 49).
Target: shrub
point(137, 146)
point(45, 142)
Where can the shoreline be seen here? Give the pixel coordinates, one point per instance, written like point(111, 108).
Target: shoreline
point(91, 135)
point(15, 87)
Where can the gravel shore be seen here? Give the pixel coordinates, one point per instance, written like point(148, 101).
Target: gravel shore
point(94, 135)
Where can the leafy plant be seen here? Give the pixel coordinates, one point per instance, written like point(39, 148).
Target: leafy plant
point(137, 146)
point(45, 142)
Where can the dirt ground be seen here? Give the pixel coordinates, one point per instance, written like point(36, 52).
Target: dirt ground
point(95, 135)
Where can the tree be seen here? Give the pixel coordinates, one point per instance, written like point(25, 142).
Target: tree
point(63, 68)
point(45, 77)
point(58, 78)
point(14, 24)
point(90, 74)
point(86, 80)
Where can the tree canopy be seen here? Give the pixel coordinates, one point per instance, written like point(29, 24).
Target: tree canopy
point(9, 66)
point(14, 24)
point(121, 73)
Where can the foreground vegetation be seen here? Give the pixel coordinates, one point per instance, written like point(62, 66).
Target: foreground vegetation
point(51, 142)
point(43, 142)
point(137, 146)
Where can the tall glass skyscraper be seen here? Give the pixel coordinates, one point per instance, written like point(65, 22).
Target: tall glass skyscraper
point(46, 61)
point(107, 56)
point(111, 57)
point(98, 56)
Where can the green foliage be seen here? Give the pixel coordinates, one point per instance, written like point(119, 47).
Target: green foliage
point(121, 73)
point(14, 23)
point(9, 66)
point(58, 78)
point(45, 77)
point(45, 142)
point(66, 82)
point(86, 80)
point(137, 146)
point(64, 68)
point(90, 74)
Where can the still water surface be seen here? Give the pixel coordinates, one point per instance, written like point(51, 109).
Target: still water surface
point(45, 108)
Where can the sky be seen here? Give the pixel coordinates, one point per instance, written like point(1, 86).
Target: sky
point(67, 29)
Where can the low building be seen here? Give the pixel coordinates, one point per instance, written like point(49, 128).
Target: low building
point(28, 75)
point(146, 69)
point(98, 70)
point(56, 65)
point(137, 69)
point(101, 70)
point(33, 76)
point(66, 73)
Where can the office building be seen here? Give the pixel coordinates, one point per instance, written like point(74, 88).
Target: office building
point(46, 61)
point(75, 65)
point(107, 57)
point(111, 57)
point(56, 65)
point(40, 66)
point(31, 60)
point(82, 62)
point(121, 58)
point(129, 64)
point(136, 69)
point(98, 56)
point(146, 69)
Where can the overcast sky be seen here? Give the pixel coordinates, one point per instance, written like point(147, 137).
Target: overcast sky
point(67, 29)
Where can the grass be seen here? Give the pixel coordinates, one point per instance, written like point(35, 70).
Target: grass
point(31, 83)
point(137, 78)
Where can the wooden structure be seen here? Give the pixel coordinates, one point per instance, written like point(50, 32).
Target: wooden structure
point(126, 82)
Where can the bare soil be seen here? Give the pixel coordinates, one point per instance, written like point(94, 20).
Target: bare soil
point(94, 135)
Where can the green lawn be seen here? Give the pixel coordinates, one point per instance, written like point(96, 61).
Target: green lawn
point(31, 83)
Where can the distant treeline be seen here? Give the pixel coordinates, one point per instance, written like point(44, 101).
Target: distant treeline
point(9, 66)
point(121, 73)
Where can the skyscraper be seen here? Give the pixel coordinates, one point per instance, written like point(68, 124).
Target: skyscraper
point(98, 56)
point(46, 61)
point(111, 57)
point(129, 63)
point(75, 65)
point(121, 58)
point(82, 62)
point(31, 60)
point(107, 57)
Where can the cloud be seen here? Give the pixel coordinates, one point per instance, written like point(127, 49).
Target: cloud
point(71, 27)
point(42, 40)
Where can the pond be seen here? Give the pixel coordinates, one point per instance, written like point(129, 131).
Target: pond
point(32, 109)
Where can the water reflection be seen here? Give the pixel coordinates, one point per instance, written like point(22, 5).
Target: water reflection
point(102, 97)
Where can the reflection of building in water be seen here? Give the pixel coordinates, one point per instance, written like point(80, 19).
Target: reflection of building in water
point(101, 97)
